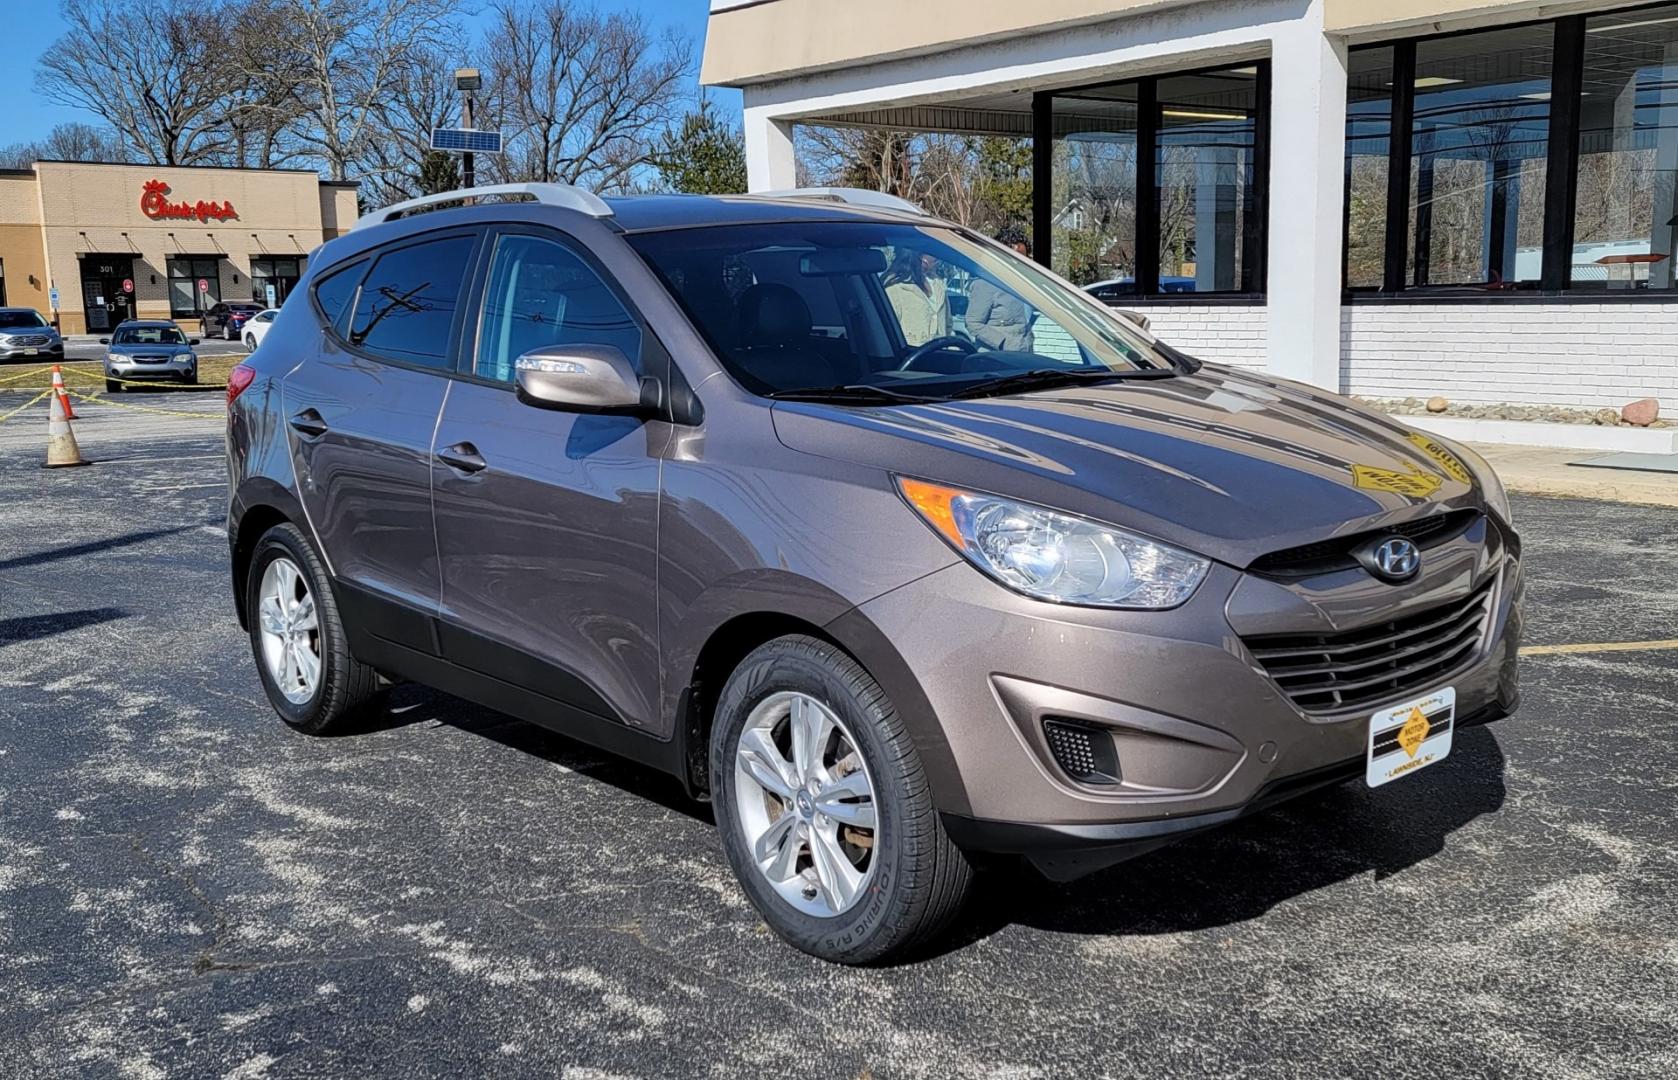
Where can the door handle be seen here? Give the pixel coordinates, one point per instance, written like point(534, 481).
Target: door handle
point(462, 456)
point(308, 423)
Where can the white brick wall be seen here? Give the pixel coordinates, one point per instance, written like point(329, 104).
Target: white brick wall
point(1577, 355)
point(1580, 355)
point(1219, 334)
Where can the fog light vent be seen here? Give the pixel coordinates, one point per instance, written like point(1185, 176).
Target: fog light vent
point(1084, 752)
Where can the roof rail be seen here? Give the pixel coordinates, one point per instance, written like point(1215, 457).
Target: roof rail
point(851, 195)
point(561, 195)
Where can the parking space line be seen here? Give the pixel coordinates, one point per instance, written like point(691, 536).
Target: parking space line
point(1599, 646)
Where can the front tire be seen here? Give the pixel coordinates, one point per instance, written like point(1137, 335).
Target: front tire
point(112, 386)
point(824, 810)
point(298, 640)
point(250, 342)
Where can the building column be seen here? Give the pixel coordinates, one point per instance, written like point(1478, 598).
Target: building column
point(1307, 180)
point(769, 158)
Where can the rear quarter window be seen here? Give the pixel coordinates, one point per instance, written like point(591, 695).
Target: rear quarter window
point(333, 292)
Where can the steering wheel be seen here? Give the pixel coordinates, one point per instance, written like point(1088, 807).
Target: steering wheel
point(937, 344)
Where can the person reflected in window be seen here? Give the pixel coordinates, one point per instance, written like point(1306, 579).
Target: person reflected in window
point(918, 296)
point(996, 318)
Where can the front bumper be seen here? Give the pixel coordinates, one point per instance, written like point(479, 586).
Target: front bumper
point(32, 352)
point(176, 368)
point(1201, 733)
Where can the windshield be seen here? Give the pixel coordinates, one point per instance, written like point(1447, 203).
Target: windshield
point(923, 312)
point(21, 320)
point(150, 335)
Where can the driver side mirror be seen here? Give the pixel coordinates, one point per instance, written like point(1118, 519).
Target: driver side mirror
point(104, 341)
point(579, 378)
point(193, 341)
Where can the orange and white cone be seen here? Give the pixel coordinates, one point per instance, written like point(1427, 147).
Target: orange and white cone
point(60, 393)
point(61, 441)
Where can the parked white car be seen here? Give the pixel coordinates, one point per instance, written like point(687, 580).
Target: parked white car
point(256, 327)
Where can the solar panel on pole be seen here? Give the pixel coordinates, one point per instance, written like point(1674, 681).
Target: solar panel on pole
point(466, 140)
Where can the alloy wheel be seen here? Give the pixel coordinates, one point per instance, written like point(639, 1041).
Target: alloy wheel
point(291, 646)
point(806, 804)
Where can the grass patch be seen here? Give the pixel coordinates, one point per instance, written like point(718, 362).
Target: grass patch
point(88, 376)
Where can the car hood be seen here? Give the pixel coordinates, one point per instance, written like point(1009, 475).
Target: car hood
point(150, 350)
point(1221, 462)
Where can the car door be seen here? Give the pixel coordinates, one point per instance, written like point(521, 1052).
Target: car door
point(547, 520)
point(361, 412)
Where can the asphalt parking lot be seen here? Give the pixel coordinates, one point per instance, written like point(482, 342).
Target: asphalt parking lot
point(187, 888)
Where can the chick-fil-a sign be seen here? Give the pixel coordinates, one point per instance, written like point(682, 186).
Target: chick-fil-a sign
point(155, 204)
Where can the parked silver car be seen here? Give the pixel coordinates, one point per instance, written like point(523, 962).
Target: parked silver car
point(26, 335)
point(148, 349)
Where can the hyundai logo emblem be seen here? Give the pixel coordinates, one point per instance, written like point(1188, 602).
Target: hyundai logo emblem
point(1393, 559)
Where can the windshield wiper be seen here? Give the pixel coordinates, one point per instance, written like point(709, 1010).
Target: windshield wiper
point(1043, 378)
point(850, 394)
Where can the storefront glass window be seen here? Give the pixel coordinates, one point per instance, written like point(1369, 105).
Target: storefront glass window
point(186, 301)
point(1208, 225)
point(1094, 191)
point(1368, 151)
point(1157, 184)
point(1627, 209)
point(281, 273)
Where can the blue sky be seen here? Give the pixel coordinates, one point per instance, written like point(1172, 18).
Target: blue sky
point(25, 115)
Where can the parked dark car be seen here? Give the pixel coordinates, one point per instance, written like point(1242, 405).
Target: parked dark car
point(663, 474)
point(26, 335)
point(227, 319)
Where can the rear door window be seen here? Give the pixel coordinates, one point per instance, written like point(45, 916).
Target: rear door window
point(407, 304)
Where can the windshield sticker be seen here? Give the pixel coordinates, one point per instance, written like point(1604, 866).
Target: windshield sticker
point(1415, 482)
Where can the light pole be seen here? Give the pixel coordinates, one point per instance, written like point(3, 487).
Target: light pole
point(467, 80)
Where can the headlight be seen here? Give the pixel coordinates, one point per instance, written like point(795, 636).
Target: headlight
point(1055, 556)
point(1491, 486)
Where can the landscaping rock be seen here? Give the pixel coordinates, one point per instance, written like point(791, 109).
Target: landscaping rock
point(1642, 413)
point(1437, 404)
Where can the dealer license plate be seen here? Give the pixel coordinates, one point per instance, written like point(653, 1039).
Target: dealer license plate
point(1411, 736)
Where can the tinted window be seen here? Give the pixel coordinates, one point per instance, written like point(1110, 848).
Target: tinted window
point(408, 301)
point(150, 335)
point(333, 291)
point(541, 295)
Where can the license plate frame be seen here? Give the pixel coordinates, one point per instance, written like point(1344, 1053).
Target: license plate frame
point(1410, 736)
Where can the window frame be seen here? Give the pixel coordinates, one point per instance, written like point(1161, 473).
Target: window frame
point(1561, 179)
point(1147, 182)
point(654, 359)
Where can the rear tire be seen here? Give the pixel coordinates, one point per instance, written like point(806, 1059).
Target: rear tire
point(913, 879)
point(250, 342)
point(343, 692)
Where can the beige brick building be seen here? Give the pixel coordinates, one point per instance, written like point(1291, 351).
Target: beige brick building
point(145, 241)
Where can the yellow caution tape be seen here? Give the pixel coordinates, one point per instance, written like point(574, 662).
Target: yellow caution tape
point(27, 374)
point(43, 394)
point(101, 399)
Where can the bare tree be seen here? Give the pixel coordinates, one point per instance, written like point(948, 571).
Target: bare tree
point(144, 67)
point(582, 97)
point(68, 142)
point(425, 98)
point(348, 56)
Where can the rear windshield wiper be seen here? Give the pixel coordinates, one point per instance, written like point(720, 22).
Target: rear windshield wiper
point(1043, 378)
point(850, 394)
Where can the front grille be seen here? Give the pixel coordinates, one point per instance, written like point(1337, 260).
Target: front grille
point(151, 359)
point(1083, 751)
point(1328, 556)
point(1376, 664)
point(31, 339)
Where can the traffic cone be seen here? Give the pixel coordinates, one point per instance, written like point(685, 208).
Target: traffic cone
point(62, 450)
point(60, 393)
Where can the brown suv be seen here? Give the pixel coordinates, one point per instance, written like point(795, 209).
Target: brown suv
point(726, 485)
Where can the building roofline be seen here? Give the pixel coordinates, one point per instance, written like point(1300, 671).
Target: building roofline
point(212, 168)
